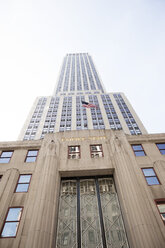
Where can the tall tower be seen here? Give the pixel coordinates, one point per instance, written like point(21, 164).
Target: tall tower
point(79, 82)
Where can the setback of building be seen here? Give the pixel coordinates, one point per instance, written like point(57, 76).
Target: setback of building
point(79, 82)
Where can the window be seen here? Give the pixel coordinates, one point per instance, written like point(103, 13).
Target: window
point(150, 176)
point(23, 183)
point(161, 207)
point(31, 156)
point(96, 151)
point(138, 150)
point(5, 156)
point(0, 177)
point(74, 152)
point(161, 147)
point(12, 222)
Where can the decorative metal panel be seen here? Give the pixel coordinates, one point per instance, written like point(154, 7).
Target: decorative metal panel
point(89, 215)
point(67, 220)
point(113, 223)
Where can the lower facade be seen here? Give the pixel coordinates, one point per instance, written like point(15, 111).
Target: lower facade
point(83, 189)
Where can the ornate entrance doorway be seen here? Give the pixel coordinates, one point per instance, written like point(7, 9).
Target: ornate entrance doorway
point(89, 215)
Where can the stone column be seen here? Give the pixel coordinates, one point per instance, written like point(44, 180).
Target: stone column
point(142, 228)
point(39, 230)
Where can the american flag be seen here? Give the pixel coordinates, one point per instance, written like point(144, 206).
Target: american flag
point(88, 105)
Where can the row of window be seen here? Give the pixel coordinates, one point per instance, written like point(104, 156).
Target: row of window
point(14, 215)
point(6, 156)
point(139, 150)
point(130, 121)
point(84, 68)
point(95, 150)
point(74, 152)
point(59, 86)
point(36, 117)
point(97, 118)
point(111, 113)
point(81, 115)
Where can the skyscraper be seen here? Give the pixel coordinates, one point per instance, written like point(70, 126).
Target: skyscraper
point(100, 187)
point(63, 111)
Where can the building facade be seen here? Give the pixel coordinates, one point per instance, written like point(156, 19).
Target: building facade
point(82, 177)
point(63, 111)
point(85, 189)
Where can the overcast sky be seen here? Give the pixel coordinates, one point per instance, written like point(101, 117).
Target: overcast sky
point(125, 38)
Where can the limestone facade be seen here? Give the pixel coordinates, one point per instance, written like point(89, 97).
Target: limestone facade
point(39, 220)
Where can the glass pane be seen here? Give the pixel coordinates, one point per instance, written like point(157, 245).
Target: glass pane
point(14, 214)
point(91, 236)
point(22, 188)
point(113, 223)
point(6, 154)
point(139, 153)
point(163, 217)
point(137, 147)
point(65, 238)
point(161, 208)
point(67, 218)
point(4, 160)
point(96, 155)
point(148, 172)
point(30, 159)
point(10, 229)
point(24, 178)
point(162, 152)
point(73, 149)
point(161, 146)
point(90, 222)
point(93, 148)
point(96, 148)
point(152, 180)
point(32, 153)
point(74, 156)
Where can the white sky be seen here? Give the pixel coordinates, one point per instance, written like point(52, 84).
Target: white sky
point(125, 38)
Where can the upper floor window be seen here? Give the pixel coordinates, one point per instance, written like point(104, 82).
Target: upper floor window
point(23, 183)
point(74, 152)
point(6, 156)
point(161, 147)
point(96, 151)
point(161, 207)
point(138, 150)
point(150, 176)
point(12, 222)
point(31, 156)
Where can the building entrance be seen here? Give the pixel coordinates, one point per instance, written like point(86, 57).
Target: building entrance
point(89, 215)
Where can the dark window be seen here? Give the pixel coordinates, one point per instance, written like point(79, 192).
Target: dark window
point(12, 222)
point(0, 177)
point(96, 151)
point(74, 152)
point(31, 156)
point(138, 150)
point(5, 156)
point(161, 147)
point(161, 207)
point(150, 176)
point(23, 183)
